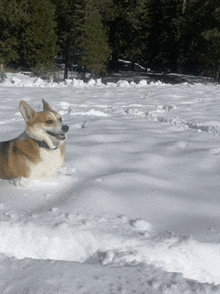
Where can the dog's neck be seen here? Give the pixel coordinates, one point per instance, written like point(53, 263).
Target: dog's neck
point(43, 144)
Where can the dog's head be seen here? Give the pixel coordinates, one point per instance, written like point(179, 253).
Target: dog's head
point(45, 125)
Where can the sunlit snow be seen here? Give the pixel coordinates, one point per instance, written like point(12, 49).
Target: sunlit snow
point(135, 208)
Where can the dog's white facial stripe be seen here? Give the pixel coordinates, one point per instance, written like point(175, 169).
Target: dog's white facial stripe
point(53, 115)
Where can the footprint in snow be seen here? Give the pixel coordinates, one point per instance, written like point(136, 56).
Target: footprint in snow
point(215, 151)
point(181, 145)
point(141, 225)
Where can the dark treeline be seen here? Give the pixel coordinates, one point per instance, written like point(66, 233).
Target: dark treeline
point(177, 35)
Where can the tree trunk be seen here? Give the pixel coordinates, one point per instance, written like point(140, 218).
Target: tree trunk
point(115, 61)
point(132, 65)
point(66, 65)
point(184, 6)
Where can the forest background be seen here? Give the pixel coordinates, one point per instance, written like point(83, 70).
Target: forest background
point(93, 35)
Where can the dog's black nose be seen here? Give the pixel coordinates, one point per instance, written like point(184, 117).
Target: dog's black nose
point(65, 129)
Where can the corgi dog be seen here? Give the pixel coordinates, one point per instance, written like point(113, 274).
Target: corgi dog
point(39, 151)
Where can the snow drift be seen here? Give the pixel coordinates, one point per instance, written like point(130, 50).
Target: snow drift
point(139, 190)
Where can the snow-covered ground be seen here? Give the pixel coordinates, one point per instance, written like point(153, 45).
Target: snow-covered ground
point(135, 209)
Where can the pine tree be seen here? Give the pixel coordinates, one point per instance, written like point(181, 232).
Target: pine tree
point(211, 57)
point(81, 33)
point(39, 45)
point(199, 36)
point(127, 30)
point(28, 36)
point(66, 23)
point(162, 50)
point(13, 19)
point(93, 42)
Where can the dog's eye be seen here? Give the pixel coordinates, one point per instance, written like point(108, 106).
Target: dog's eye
point(49, 122)
point(61, 120)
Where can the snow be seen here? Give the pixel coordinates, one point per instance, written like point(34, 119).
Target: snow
point(135, 208)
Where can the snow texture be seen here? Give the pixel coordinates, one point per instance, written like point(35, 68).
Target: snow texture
point(135, 208)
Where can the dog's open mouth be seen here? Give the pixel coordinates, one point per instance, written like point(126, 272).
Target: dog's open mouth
point(57, 136)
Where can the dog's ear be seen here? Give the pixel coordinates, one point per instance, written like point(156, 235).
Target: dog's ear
point(26, 111)
point(46, 106)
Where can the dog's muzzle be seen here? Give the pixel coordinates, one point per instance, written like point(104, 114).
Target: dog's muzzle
point(61, 136)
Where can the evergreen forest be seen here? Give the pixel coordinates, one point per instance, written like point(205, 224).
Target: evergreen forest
point(176, 35)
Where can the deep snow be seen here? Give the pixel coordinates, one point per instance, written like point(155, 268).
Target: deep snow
point(135, 209)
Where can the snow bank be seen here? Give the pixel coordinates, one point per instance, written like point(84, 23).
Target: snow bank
point(20, 80)
point(39, 276)
point(126, 242)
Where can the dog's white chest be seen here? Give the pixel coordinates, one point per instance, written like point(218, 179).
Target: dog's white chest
point(50, 162)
